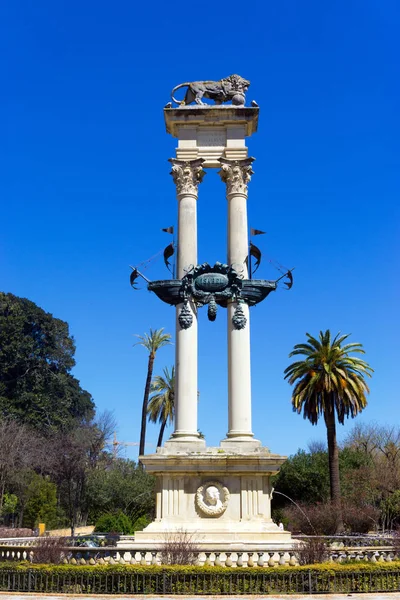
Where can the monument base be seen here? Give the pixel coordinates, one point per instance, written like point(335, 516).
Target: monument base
point(220, 496)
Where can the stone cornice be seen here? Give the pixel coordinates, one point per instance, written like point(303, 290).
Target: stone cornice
point(223, 462)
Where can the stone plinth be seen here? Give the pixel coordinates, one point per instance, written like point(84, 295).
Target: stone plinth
point(211, 132)
point(220, 496)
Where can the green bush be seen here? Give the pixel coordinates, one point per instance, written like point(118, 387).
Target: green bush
point(114, 522)
point(141, 523)
point(135, 579)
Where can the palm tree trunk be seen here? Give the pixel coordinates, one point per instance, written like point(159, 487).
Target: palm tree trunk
point(333, 455)
point(161, 435)
point(145, 403)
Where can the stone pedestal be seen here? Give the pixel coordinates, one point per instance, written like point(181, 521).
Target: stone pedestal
point(221, 497)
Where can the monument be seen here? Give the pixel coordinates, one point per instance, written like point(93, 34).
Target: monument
point(222, 496)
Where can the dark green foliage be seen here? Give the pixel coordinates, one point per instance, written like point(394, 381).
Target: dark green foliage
point(304, 477)
point(41, 503)
point(36, 357)
point(122, 486)
point(141, 523)
point(179, 580)
point(114, 523)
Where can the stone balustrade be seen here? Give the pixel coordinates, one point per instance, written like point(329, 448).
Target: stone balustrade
point(111, 555)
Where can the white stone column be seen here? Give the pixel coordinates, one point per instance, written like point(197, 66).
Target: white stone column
point(187, 175)
point(236, 174)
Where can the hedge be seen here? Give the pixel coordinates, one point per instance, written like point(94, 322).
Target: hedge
point(135, 579)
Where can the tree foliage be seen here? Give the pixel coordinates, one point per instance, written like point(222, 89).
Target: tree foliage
point(329, 383)
point(36, 358)
point(152, 342)
point(161, 406)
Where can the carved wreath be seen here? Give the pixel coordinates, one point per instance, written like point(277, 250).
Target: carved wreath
point(217, 493)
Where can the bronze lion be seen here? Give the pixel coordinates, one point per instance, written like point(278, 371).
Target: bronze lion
point(232, 88)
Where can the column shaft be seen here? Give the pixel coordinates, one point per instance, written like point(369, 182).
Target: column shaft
point(236, 175)
point(187, 176)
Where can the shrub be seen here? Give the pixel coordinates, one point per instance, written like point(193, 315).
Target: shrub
point(360, 519)
point(15, 532)
point(317, 519)
point(322, 518)
point(191, 580)
point(179, 549)
point(312, 551)
point(141, 523)
point(114, 522)
point(49, 550)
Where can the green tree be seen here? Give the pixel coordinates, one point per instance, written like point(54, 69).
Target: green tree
point(152, 342)
point(75, 456)
point(123, 487)
point(329, 383)
point(161, 406)
point(41, 503)
point(36, 357)
point(303, 478)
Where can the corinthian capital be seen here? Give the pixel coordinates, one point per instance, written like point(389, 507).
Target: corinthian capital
point(187, 175)
point(236, 174)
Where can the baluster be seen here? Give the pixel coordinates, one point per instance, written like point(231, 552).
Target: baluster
point(154, 558)
point(260, 562)
point(228, 560)
point(271, 561)
point(207, 561)
point(239, 562)
point(133, 557)
point(217, 562)
point(281, 558)
point(143, 558)
point(373, 557)
point(250, 562)
point(292, 559)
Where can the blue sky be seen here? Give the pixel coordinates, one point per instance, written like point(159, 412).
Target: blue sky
point(85, 186)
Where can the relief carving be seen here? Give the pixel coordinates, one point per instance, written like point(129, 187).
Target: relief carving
point(212, 498)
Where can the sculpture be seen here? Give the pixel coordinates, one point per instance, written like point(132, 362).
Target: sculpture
point(231, 88)
point(212, 498)
point(215, 286)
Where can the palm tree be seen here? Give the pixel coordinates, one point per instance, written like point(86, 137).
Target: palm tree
point(161, 406)
point(329, 381)
point(152, 342)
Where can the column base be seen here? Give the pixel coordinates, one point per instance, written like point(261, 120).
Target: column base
point(183, 441)
point(240, 443)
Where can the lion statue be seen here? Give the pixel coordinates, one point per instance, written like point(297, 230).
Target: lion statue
point(232, 88)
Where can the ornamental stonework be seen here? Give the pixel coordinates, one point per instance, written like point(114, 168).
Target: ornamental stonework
point(212, 498)
point(236, 174)
point(187, 175)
